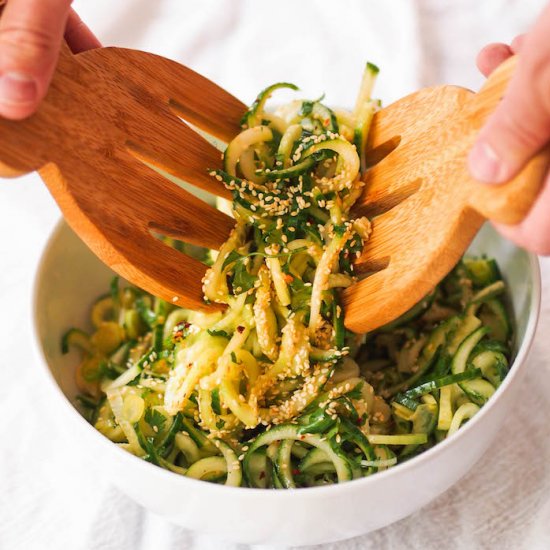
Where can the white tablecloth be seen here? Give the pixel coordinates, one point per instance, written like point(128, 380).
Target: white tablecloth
point(47, 498)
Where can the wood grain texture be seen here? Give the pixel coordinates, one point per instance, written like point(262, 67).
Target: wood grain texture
point(428, 207)
point(104, 108)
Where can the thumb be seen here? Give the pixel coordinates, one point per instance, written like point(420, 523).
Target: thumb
point(30, 37)
point(520, 125)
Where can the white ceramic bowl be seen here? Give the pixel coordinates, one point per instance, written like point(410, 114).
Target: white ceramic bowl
point(70, 277)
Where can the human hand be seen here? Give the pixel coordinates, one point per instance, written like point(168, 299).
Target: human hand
point(519, 128)
point(30, 37)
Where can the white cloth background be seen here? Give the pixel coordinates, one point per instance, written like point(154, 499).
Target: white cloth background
point(47, 498)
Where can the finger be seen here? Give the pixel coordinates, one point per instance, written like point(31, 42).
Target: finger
point(517, 43)
point(491, 56)
point(30, 37)
point(520, 125)
point(77, 34)
point(533, 233)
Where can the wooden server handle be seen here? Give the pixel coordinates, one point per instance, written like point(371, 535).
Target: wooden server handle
point(509, 202)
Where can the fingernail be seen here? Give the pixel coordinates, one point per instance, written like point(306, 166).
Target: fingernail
point(485, 165)
point(17, 89)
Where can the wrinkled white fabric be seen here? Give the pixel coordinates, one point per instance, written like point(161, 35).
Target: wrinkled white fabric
point(48, 497)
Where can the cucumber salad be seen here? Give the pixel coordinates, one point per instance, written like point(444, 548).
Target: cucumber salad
point(274, 391)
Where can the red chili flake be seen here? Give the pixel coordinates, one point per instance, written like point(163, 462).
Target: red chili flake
point(262, 475)
point(359, 421)
point(295, 472)
point(288, 278)
point(240, 329)
point(302, 437)
point(179, 329)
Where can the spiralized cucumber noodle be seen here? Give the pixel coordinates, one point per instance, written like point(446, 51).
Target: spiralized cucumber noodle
point(274, 391)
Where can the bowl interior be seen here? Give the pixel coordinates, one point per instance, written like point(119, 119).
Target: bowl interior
point(521, 272)
point(70, 278)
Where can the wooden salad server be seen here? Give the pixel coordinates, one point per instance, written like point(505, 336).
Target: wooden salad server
point(112, 121)
point(426, 208)
point(109, 113)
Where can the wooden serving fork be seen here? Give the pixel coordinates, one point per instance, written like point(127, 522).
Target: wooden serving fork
point(112, 115)
point(108, 113)
point(427, 207)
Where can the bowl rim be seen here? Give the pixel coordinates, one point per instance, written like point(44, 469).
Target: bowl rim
point(306, 492)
